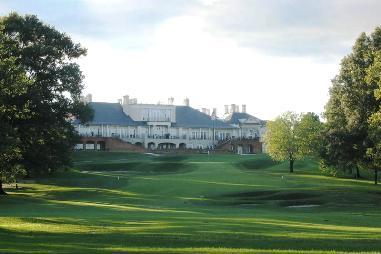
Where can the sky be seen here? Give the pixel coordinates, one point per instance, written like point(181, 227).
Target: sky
point(273, 55)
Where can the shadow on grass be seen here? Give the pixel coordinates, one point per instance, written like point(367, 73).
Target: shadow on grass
point(257, 163)
point(122, 166)
point(170, 158)
point(80, 203)
point(279, 197)
point(167, 165)
point(166, 168)
point(101, 156)
point(108, 242)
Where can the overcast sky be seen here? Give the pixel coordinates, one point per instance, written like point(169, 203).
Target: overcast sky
point(272, 55)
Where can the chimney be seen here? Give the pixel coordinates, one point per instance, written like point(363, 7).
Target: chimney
point(243, 108)
point(126, 100)
point(208, 111)
point(120, 101)
point(236, 108)
point(214, 112)
point(171, 100)
point(226, 109)
point(232, 108)
point(186, 102)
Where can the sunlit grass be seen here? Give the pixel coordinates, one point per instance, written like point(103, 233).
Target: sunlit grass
point(225, 250)
point(190, 204)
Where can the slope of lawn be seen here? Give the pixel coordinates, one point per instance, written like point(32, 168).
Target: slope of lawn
point(115, 202)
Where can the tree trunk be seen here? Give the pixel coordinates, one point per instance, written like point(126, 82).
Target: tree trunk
point(357, 173)
point(375, 176)
point(291, 166)
point(2, 192)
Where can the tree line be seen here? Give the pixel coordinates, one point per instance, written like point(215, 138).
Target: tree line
point(349, 137)
point(40, 88)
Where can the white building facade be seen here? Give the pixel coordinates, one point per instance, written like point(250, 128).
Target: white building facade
point(157, 126)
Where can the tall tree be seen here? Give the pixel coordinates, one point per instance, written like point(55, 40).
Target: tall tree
point(52, 96)
point(292, 136)
point(374, 135)
point(13, 84)
point(351, 103)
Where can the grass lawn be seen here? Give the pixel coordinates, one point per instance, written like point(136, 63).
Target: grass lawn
point(114, 202)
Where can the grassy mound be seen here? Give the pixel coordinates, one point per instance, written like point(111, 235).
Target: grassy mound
point(132, 163)
point(281, 198)
point(258, 164)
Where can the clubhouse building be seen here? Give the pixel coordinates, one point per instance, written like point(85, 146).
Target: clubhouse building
point(169, 127)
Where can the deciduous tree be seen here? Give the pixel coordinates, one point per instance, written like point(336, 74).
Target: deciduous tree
point(374, 134)
point(292, 136)
point(45, 59)
point(346, 139)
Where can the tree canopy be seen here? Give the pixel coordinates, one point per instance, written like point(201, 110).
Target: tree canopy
point(348, 142)
point(373, 152)
point(40, 92)
point(292, 136)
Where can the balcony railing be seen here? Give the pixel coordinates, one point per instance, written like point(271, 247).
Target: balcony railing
point(218, 139)
point(165, 136)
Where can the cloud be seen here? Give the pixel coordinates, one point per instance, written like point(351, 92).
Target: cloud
point(295, 27)
point(185, 60)
point(324, 29)
point(132, 23)
point(272, 55)
point(128, 23)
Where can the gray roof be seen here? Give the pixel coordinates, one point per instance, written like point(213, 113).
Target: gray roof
point(112, 114)
point(234, 117)
point(191, 118)
point(187, 117)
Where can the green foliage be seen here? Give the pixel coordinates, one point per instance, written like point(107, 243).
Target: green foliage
point(13, 86)
point(309, 132)
point(10, 155)
point(348, 141)
point(327, 170)
point(41, 98)
point(292, 136)
point(83, 111)
point(374, 150)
